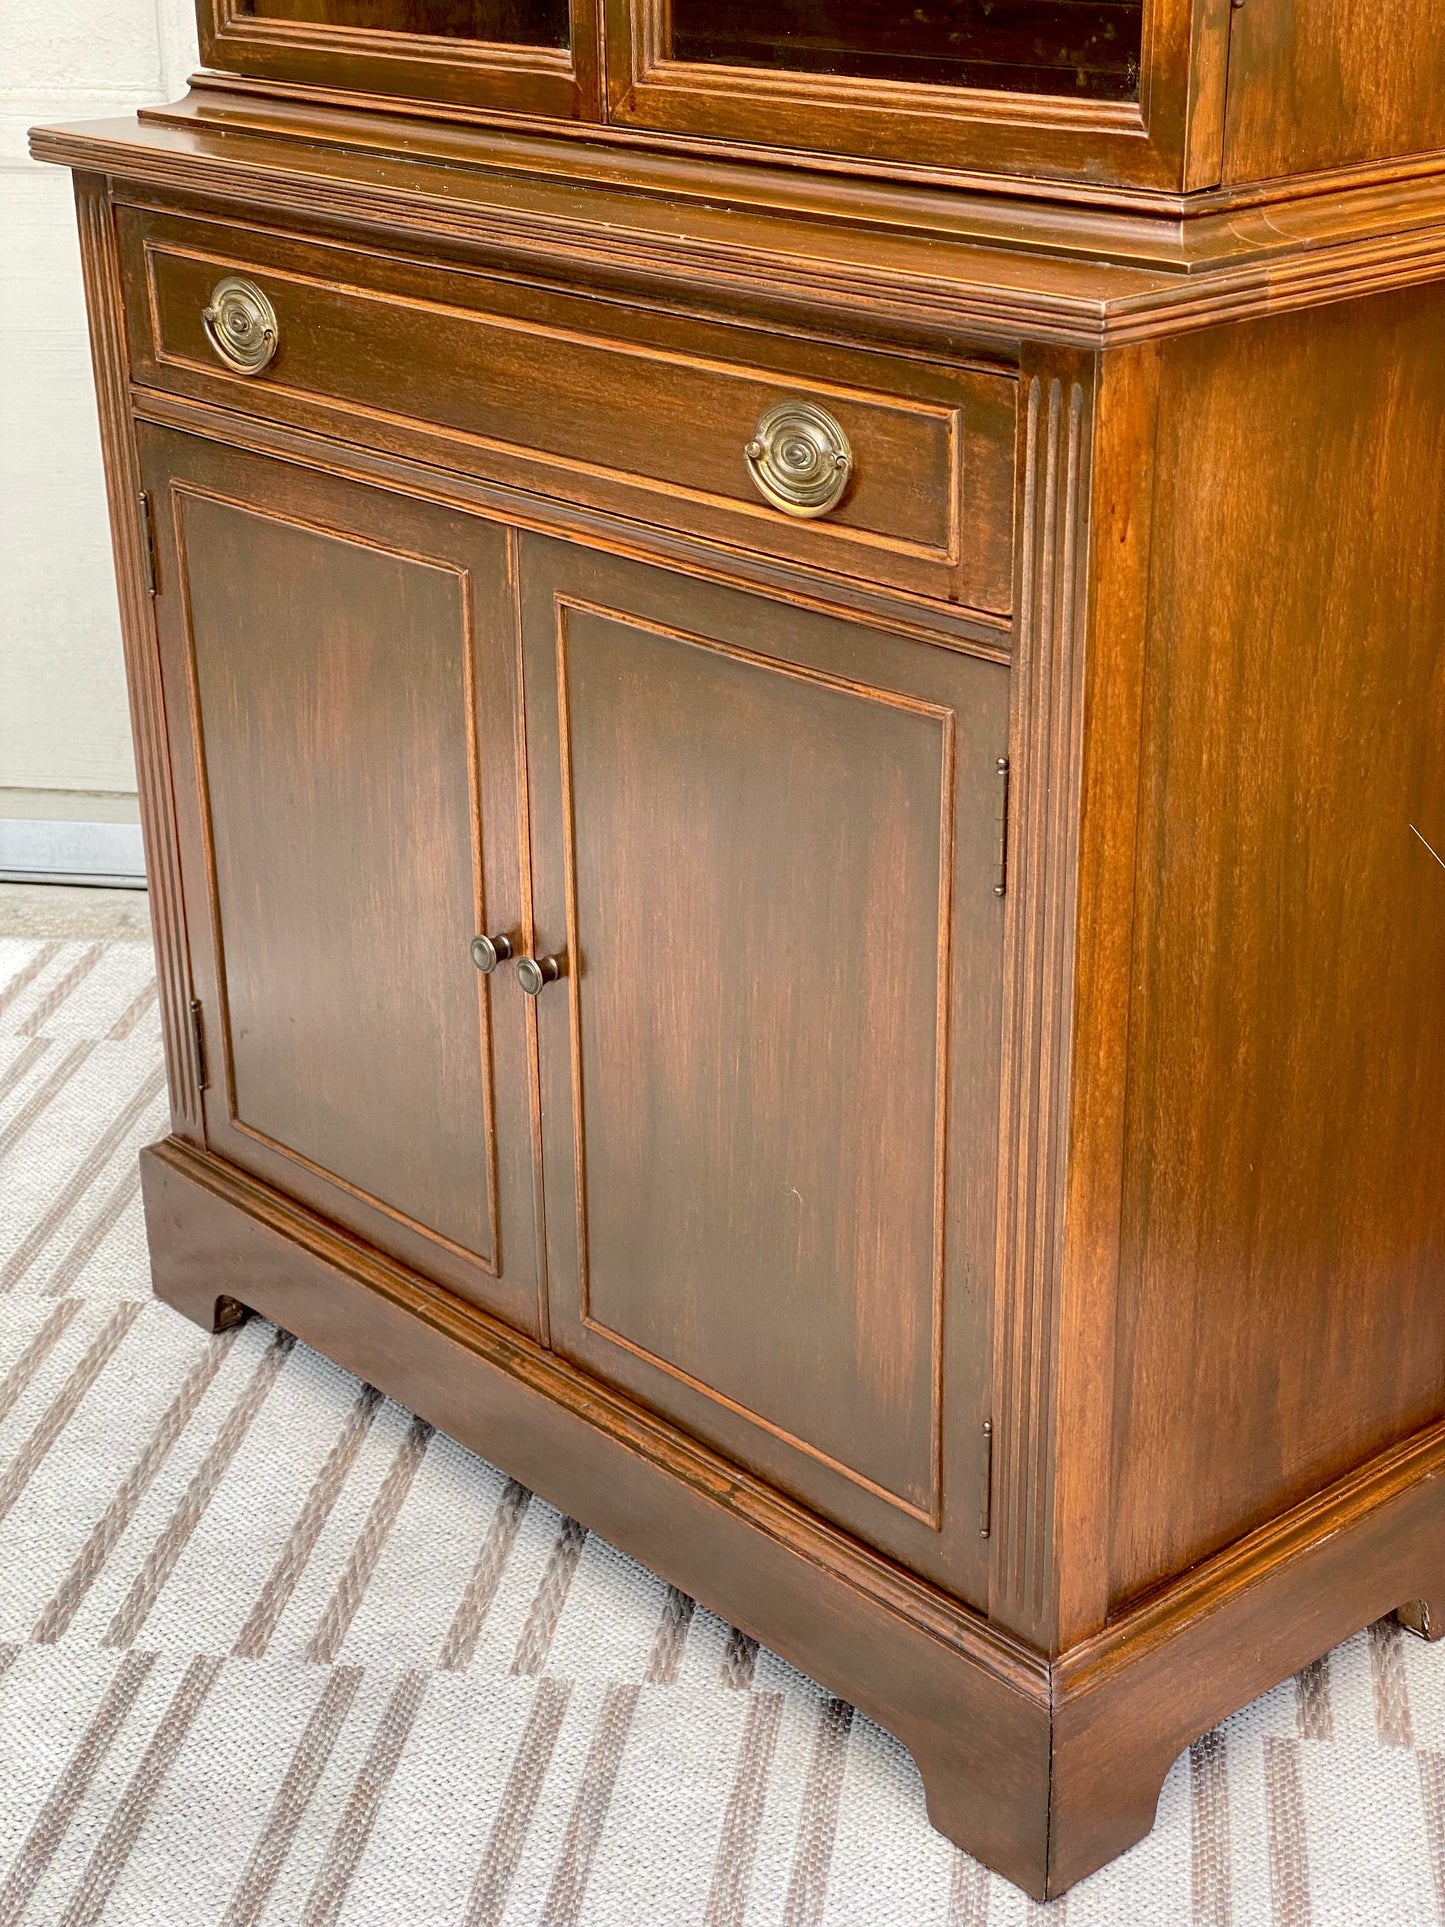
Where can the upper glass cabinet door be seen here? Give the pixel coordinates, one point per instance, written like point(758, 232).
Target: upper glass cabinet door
point(519, 23)
point(1080, 49)
point(1118, 92)
point(533, 57)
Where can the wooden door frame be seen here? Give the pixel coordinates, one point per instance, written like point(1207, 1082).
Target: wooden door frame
point(1170, 138)
point(553, 83)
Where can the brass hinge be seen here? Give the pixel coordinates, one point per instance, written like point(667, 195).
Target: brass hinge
point(985, 1510)
point(148, 543)
point(1000, 866)
point(198, 1045)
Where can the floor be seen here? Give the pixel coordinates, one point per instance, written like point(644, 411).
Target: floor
point(271, 1651)
point(44, 910)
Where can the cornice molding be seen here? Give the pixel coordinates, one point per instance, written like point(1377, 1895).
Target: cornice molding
point(997, 269)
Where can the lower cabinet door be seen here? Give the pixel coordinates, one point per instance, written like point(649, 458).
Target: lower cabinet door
point(765, 842)
point(339, 666)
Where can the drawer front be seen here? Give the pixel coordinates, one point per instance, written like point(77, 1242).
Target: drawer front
point(637, 411)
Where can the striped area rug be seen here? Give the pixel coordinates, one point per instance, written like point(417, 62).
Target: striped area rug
point(272, 1651)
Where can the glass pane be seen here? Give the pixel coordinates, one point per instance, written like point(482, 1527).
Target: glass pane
point(1085, 48)
point(521, 23)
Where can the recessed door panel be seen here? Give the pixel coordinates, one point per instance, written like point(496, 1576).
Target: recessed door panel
point(764, 845)
point(342, 662)
point(732, 1019)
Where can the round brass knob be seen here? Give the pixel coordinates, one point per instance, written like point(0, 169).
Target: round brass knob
point(535, 973)
point(799, 458)
point(241, 325)
point(488, 952)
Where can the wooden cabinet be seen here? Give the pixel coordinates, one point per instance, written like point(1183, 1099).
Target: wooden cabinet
point(788, 688)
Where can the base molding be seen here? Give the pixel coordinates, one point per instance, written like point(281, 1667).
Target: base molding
point(1044, 1770)
point(1238, 1624)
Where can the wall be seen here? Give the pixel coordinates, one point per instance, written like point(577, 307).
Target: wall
point(64, 732)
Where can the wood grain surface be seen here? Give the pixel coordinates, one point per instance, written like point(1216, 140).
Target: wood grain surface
point(1322, 83)
point(1284, 1196)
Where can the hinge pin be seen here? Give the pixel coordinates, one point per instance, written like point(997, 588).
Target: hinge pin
point(1000, 867)
point(198, 1045)
point(148, 544)
point(985, 1512)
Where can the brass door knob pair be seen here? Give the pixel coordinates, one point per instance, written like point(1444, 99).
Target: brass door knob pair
point(533, 973)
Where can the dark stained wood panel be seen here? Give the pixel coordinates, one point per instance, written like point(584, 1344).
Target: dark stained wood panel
point(736, 832)
point(327, 650)
point(765, 844)
point(1284, 1204)
point(1327, 83)
point(339, 844)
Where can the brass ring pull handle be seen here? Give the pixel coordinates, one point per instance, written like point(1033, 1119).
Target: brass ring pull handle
point(241, 325)
point(535, 973)
point(799, 458)
point(488, 952)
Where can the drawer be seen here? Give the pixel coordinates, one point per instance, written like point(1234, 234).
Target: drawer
point(631, 409)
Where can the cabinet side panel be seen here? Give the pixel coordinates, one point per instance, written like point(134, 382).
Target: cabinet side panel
point(1327, 83)
point(1283, 1226)
point(100, 262)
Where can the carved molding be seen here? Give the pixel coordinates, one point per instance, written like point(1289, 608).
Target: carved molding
point(1089, 299)
point(1046, 759)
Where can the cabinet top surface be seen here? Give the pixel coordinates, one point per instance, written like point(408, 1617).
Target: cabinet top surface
point(890, 257)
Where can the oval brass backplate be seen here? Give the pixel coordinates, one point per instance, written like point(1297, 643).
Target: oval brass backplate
point(241, 325)
point(799, 458)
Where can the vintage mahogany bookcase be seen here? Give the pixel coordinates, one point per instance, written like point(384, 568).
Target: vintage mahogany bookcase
point(788, 662)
